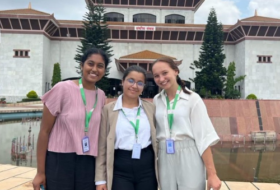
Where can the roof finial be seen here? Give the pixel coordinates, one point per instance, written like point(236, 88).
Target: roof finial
point(29, 6)
point(256, 12)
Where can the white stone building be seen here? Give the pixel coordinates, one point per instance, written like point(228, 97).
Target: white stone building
point(141, 31)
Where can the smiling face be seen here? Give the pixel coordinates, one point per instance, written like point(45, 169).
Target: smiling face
point(164, 76)
point(133, 84)
point(93, 68)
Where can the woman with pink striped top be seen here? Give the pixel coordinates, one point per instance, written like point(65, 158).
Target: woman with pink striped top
point(68, 139)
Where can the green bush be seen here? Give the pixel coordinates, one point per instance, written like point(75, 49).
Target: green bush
point(56, 74)
point(3, 100)
point(251, 97)
point(30, 99)
point(32, 94)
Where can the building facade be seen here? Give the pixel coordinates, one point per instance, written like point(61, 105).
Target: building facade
point(140, 32)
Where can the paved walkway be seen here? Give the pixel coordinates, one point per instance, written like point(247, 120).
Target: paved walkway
point(20, 178)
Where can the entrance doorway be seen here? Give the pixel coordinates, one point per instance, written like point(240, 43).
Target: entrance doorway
point(150, 89)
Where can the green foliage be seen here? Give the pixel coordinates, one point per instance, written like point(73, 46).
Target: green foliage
point(204, 93)
point(30, 99)
point(230, 91)
point(3, 100)
point(56, 74)
point(251, 97)
point(96, 34)
point(211, 74)
point(32, 94)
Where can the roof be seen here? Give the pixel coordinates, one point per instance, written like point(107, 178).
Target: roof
point(28, 11)
point(146, 54)
point(261, 19)
point(75, 22)
point(110, 23)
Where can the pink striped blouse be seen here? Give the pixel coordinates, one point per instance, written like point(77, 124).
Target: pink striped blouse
point(65, 102)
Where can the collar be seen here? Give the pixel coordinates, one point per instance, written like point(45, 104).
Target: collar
point(118, 105)
point(182, 94)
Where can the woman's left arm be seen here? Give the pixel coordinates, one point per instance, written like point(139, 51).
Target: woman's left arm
point(212, 179)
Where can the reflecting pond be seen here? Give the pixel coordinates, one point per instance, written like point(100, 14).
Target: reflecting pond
point(234, 162)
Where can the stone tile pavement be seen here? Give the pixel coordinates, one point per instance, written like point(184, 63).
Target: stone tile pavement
point(20, 178)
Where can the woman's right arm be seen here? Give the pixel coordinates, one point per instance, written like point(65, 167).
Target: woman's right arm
point(46, 127)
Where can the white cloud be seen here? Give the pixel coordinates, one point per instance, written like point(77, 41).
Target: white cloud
point(226, 10)
point(267, 8)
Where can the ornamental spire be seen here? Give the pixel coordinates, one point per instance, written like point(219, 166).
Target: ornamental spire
point(29, 6)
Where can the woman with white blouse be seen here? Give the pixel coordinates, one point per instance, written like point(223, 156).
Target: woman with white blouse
point(184, 131)
point(127, 139)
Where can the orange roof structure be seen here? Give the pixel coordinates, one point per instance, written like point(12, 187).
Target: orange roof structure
point(146, 54)
point(24, 12)
point(75, 22)
point(28, 11)
point(261, 19)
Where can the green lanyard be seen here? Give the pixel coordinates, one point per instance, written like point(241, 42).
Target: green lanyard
point(88, 114)
point(170, 111)
point(135, 126)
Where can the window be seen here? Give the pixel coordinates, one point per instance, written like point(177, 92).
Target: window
point(175, 19)
point(144, 18)
point(21, 53)
point(264, 59)
point(114, 17)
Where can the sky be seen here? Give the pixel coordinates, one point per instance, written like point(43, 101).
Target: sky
point(228, 11)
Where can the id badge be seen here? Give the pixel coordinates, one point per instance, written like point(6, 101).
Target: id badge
point(136, 152)
point(85, 143)
point(170, 148)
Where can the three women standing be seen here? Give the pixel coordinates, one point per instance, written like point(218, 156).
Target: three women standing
point(184, 132)
point(67, 142)
point(127, 141)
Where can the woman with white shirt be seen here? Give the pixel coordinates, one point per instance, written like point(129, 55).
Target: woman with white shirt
point(184, 131)
point(127, 139)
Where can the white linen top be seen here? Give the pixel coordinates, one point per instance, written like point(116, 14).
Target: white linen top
point(191, 120)
point(125, 133)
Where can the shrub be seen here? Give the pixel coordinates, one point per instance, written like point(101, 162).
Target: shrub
point(32, 94)
point(56, 74)
point(3, 101)
point(30, 99)
point(251, 97)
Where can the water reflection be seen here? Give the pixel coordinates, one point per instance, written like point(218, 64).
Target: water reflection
point(18, 142)
point(234, 161)
point(248, 162)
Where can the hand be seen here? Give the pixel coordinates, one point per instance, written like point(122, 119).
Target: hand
point(213, 182)
point(101, 187)
point(38, 180)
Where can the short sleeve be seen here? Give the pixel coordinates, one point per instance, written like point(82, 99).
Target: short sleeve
point(203, 130)
point(55, 98)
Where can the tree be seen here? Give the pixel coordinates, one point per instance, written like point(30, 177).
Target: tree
point(95, 34)
point(210, 77)
point(230, 91)
point(56, 74)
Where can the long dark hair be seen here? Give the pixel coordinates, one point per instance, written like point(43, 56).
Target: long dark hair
point(173, 66)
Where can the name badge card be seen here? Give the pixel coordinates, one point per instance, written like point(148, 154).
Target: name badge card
point(136, 152)
point(170, 149)
point(85, 143)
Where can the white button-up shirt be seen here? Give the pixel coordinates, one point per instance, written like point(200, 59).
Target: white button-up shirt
point(125, 133)
point(191, 120)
